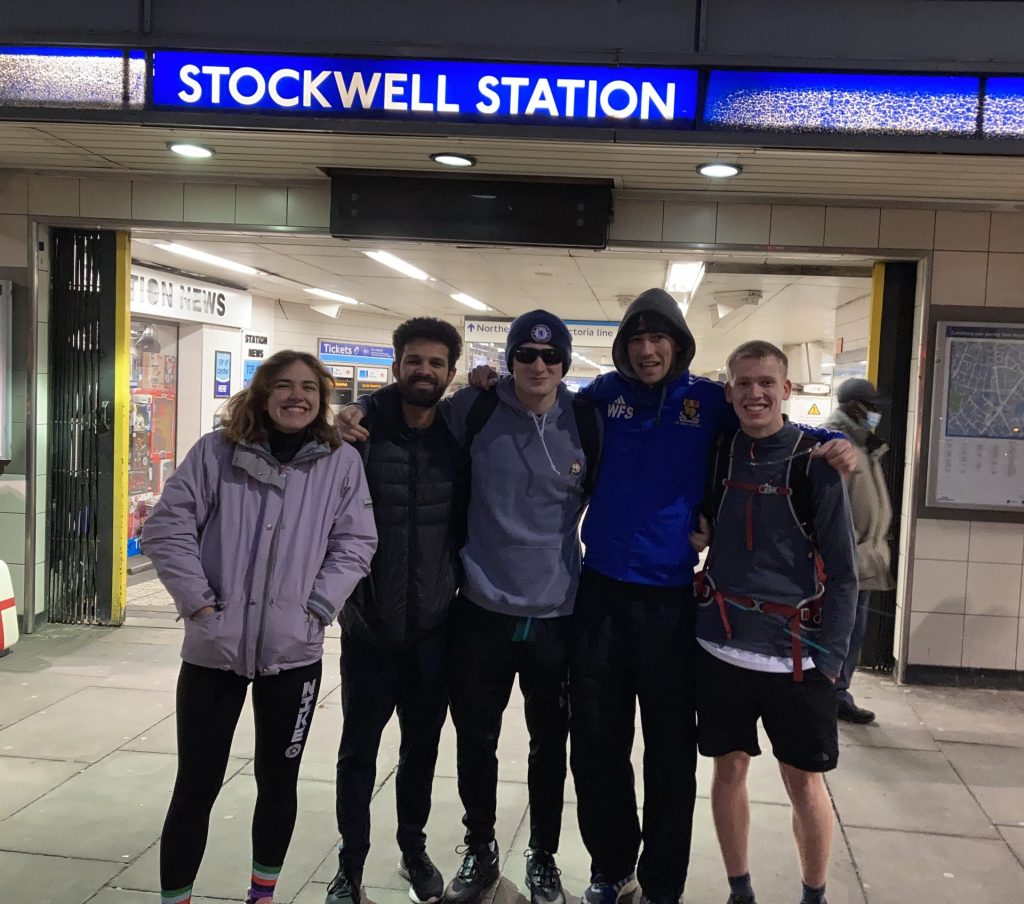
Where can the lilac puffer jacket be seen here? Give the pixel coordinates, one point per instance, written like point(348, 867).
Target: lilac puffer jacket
point(276, 549)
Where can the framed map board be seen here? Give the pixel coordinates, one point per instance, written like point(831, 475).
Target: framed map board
point(976, 447)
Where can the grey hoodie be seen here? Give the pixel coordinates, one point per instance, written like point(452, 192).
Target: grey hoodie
point(522, 555)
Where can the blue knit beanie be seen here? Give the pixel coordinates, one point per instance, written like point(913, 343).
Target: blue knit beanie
point(543, 328)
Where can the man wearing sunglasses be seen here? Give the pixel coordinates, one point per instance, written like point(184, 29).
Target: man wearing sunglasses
point(532, 454)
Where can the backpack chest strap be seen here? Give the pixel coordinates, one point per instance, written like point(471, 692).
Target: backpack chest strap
point(755, 489)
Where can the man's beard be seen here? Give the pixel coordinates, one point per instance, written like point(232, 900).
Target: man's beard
point(421, 394)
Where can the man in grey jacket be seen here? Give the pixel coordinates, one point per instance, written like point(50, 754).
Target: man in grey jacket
point(858, 414)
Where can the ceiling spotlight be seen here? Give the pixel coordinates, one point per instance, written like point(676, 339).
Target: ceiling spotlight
point(719, 170)
point(333, 296)
point(453, 159)
point(188, 149)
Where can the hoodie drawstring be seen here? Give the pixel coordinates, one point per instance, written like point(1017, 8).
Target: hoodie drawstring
point(539, 422)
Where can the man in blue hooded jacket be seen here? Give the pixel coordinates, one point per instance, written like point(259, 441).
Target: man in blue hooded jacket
point(635, 610)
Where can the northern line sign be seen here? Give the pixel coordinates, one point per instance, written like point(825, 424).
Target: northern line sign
point(608, 96)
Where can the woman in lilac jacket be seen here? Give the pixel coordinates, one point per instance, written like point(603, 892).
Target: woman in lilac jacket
point(260, 536)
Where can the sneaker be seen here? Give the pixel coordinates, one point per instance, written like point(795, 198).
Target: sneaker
point(741, 899)
point(851, 712)
point(543, 878)
point(479, 869)
point(601, 892)
point(659, 899)
point(425, 883)
point(345, 887)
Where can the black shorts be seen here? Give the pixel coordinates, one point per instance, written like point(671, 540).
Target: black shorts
point(799, 716)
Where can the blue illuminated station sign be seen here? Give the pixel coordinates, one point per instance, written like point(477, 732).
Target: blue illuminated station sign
point(608, 96)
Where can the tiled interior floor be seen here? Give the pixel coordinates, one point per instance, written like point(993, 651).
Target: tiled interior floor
point(929, 801)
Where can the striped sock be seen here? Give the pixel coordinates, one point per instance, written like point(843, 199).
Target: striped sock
point(264, 880)
point(180, 896)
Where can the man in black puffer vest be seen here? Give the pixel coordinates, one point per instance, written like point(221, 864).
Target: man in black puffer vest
point(394, 625)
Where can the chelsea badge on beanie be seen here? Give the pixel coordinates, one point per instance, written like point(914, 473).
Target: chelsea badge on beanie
point(543, 328)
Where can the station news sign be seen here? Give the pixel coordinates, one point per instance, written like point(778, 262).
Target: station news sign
point(426, 89)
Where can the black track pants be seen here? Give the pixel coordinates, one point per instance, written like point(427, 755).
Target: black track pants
point(374, 684)
point(634, 643)
point(485, 658)
point(209, 702)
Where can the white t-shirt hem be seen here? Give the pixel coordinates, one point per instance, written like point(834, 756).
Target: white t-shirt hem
point(756, 662)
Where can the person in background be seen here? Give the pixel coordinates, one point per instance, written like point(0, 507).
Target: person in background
point(260, 536)
point(772, 629)
point(858, 415)
point(395, 626)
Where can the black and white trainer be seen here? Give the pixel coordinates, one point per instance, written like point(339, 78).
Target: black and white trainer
point(426, 884)
point(543, 878)
point(478, 871)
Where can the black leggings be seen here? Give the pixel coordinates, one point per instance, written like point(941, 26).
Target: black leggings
point(209, 702)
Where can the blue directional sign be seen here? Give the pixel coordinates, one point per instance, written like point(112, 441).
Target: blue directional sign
point(547, 94)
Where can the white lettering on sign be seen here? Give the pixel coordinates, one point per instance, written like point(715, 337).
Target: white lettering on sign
point(491, 94)
point(179, 298)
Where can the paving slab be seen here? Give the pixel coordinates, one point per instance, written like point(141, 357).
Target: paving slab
point(1014, 837)
point(902, 867)
point(23, 781)
point(227, 865)
point(32, 879)
point(970, 716)
point(897, 724)
point(913, 790)
point(144, 634)
point(25, 693)
point(87, 725)
point(134, 786)
point(995, 776)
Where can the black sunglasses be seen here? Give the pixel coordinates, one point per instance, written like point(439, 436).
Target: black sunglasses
point(549, 356)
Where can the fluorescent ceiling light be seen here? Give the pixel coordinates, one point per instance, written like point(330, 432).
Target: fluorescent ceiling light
point(718, 170)
point(453, 159)
point(328, 310)
point(827, 365)
point(189, 149)
point(684, 276)
point(198, 255)
point(469, 301)
point(333, 296)
point(396, 263)
point(815, 389)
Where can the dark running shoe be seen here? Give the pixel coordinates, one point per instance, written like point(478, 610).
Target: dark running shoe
point(542, 876)
point(345, 886)
point(659, 899)
point(601, 891)
point(479, 870)
point(425, 883)
point(741, 899)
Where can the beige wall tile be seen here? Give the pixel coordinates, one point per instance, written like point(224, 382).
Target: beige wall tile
point(906, 229)
point(309, 206)
point(13, 240)
point(1020, 645)
point(690, 222)
point(991, 542)
point(993, 589)
point(42, 455)
point(939, 586)
point(1007, 232)
point(53, 196)
point(12, 493)
point(797, 225)
point(208, 203)
point(852, 227)
point(1005, 284)
point(638, 221)
point(106, 199)
point(935, 639)
point(12, 537)
point(14, 193)
point(962, 230)
point(261, 205)
point(958, 277)
point(990, 643)
point(17, 572)
point(158, 201)
point(948, 540)
point(744, 224)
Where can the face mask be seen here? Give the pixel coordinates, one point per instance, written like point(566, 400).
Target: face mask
point(872, 419)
